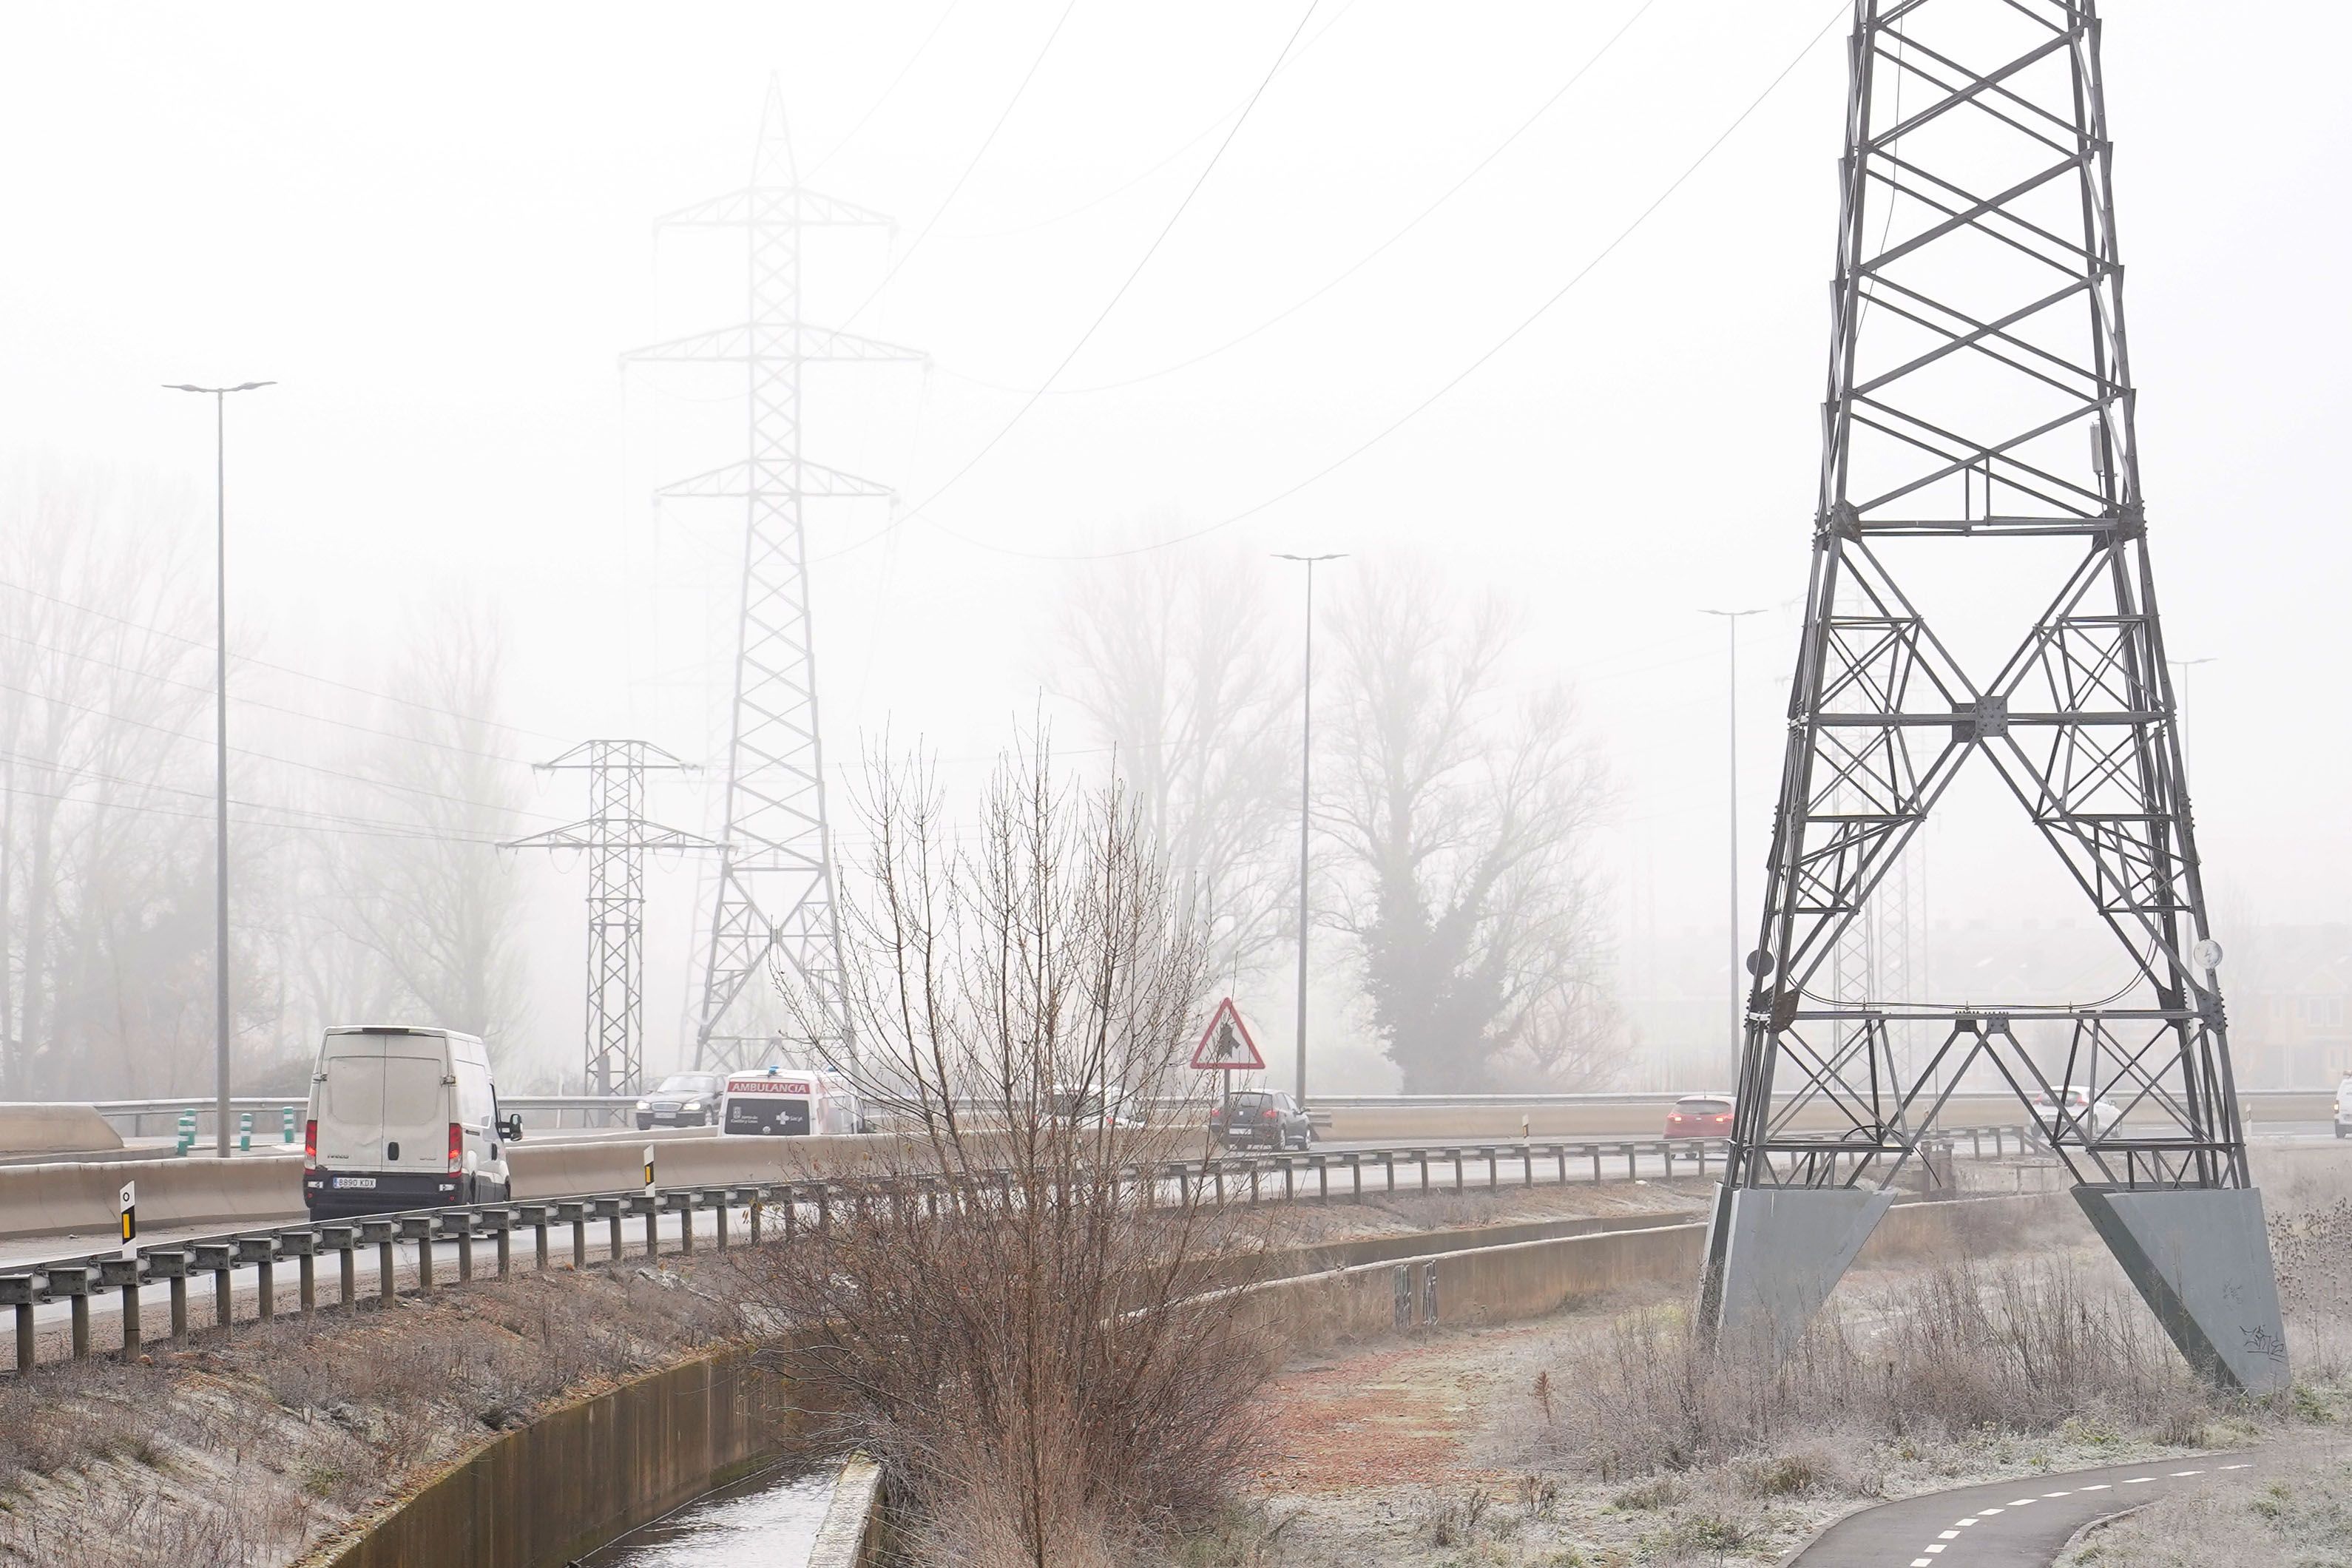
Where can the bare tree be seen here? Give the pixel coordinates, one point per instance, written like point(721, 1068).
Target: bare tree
point(1464, 817)
point(427, 911)
point(1038, 1346)
point(106, 874)
point(1173, 660)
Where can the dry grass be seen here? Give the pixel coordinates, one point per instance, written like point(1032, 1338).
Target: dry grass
point(2015, 1347)
point(2298, 1512)
point(245, 1450)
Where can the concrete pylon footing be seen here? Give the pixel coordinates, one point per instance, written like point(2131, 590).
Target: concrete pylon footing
point(2201, 1258)
point(1774, 1254)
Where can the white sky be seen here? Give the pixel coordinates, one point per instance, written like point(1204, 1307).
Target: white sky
point(432, 225)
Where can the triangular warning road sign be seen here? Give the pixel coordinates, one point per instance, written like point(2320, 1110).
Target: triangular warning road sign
point(1225, 1045)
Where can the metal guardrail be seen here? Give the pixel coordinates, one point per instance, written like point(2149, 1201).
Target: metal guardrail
point(1221, 1178)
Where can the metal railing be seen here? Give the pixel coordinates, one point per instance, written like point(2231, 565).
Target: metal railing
point(1221, 1179)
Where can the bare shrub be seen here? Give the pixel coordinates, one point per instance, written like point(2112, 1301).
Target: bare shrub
point(1042, 1351)
point(2017, 1348)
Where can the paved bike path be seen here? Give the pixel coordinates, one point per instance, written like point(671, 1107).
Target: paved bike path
point(2004, 1524)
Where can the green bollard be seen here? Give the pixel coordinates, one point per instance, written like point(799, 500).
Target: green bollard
point(187, 1132)
point(245, 1132)
point(286, 1118)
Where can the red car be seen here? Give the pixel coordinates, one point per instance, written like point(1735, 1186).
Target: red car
point(1700, 1116)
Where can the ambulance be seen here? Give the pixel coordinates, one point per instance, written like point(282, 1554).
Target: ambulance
point(787, 1102)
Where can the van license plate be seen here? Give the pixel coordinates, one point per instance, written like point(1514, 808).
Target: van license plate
point(367, 1182)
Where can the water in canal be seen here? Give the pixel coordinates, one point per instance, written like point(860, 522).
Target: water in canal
point(767, 1520)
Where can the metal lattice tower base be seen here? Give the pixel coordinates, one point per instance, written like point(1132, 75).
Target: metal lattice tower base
point(1980, 405)
point(774, 912)
point(615, 837)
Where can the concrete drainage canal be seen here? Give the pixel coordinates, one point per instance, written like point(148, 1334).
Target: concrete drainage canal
point(772, 1517)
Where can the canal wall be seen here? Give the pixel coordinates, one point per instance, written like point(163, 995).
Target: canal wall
point(574, 1479)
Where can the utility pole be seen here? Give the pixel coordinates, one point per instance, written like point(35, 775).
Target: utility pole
point(1306, 796)
point(772, 910)
point(616, 836)
point(1731, 619)
point(1978, 215)
point(220, 395)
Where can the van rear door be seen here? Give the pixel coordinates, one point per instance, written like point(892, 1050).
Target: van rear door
point(416, 1107)
point(349, 1110)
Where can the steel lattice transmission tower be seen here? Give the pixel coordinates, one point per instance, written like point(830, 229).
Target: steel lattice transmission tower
point(1979, 420)
point(615, 837)
point(773, 904)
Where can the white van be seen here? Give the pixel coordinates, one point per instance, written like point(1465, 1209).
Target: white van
point(789, 1102)
point(403, 1119)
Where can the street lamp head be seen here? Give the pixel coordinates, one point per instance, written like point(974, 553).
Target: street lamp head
point(1281, 555)
point(216, 390)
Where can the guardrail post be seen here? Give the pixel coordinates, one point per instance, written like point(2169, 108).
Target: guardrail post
point(419, 1229)
point(461, 1225)
point(611, 1210)
point(1424, 1155)
point(718, 1201)
point(1595, 1151)
point(1494, 1169)
point(218, 1258)
point(576, 1216)
point(1527, 1166)
point(300, 1246)
point(122, 1273)
point(1388, 1164)
point(1631, 1173)
point(683, 1204)
point(1667, 1153)
point(1253, 1170)
point(1322, 1180)
point(339, 1239)
point(1288, 1190)
point(1458, 1168)
point(499, 1223)
point(72, 1281)
point(824, 1208)
point(17, 1290)
point(1560, 1151)
point(387, 1279)
point(172, 1263)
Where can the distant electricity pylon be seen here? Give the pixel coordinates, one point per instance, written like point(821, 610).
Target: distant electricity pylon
point(772, 909)
point(1978, 437)
point(616, 836)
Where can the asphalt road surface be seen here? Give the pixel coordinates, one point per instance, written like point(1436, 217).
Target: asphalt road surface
point(2005, 1524)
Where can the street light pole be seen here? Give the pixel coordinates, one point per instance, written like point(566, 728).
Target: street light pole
point(219, 394)
point(1731, 619)
point(1306, 768)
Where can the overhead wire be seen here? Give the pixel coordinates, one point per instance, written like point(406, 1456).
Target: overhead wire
point(1104, 314)
point(851, 134)
point(281, 668)
point(1345, 459)
point(1361, 262)
point(982, 152)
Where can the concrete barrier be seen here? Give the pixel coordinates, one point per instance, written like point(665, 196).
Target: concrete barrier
point(854, 1531)
point(542, 1495)
point(33, 1128)
point(68, 1196)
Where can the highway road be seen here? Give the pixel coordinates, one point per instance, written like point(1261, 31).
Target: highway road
point(2004, 1524)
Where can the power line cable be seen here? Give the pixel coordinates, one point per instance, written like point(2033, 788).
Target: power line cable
point(242, 701)
point(1395, 425)
point(986, 141)
point(281, 668)
point(1360, 263)
point(1117, 295)
point(851, 134)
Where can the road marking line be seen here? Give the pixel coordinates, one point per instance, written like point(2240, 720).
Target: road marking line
point(1964, 1523)
point(2178, 1474)
point(2019, 1503)
point(1949, 1535)
point(2245, 1466)
point(2103, 1486)
point(2138, 1480)
point(1922, 1563)
point(1931, 1549)
point(1982, 1511)
point(2057, 1494)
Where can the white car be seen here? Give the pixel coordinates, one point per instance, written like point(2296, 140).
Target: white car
point(2344, 1107)
point(2081, 1114)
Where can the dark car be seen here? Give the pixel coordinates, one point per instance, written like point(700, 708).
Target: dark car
point(1258, 1117)
point(1700, 1116)
point(683, 1100)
